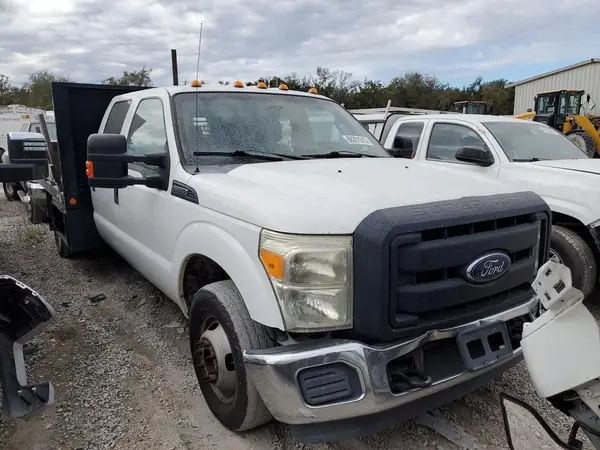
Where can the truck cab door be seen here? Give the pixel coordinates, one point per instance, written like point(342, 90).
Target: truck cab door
point(140, 211)
point(443, 137)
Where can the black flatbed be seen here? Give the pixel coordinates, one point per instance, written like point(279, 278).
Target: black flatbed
point(78, 112)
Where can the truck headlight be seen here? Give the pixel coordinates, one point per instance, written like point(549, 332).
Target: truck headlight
point(312, 278)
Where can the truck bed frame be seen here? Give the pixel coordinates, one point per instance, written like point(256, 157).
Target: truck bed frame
point(78, 110)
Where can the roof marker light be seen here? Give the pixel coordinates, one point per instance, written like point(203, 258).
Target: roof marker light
point(196, 83)
point(261, 85)
point(313, 90)
point(238, 84)
point(284, 87)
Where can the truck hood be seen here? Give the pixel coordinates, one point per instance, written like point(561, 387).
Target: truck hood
point(332, 196)
point(578, 165)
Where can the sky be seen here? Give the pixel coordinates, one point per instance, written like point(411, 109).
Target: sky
point(455, 40)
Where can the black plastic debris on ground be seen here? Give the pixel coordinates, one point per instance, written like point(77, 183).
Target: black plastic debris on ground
point(97, 298)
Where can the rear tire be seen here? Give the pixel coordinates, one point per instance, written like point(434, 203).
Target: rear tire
point(36, 214)
point(61, 247)
point(584, 141)
point(220, 329)
point(10, 191)
point(569, 248)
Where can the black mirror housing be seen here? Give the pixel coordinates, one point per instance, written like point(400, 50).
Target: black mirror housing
point(107, 161)
point(28, 148)
point(107, 145)
point(475, 155)
point(402, 148)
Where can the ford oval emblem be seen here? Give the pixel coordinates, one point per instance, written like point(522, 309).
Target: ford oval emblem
point(488, 267)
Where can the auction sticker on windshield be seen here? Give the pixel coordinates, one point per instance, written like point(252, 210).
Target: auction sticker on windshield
point(356, 140)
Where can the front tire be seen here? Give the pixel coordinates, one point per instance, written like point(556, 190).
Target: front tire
point(220, 329)
point(568, 248)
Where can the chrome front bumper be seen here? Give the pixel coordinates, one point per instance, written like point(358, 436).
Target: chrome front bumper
point(275, 372)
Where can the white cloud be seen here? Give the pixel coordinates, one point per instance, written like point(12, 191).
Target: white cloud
point(90, 40)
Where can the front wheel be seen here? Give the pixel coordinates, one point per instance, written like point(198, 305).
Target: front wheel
point(568, 248)
point(220, 329)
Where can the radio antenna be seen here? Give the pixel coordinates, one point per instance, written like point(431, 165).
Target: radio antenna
point(196, 118)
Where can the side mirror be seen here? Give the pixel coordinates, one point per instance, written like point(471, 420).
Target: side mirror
point(28, 148)
point(107, 159)
point(402, 148)
point(475, 155)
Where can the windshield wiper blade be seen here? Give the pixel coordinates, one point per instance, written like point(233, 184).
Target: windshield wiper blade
point(337, 154)
point(245, 154)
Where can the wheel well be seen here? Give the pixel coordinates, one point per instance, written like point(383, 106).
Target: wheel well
point(199, 271)
point(578, 227)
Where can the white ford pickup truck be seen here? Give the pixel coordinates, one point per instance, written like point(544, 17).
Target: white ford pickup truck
point(327, 284)
point(523, 154)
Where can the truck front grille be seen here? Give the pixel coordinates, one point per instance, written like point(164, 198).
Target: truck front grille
point(411, 262)
point(429, 287)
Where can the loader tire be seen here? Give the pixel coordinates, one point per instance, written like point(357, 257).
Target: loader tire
point(584, 141)
point(568, 248)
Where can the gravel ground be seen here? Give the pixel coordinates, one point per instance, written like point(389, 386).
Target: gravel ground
point(123, 377)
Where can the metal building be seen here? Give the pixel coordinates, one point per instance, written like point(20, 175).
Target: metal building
point(581, 76)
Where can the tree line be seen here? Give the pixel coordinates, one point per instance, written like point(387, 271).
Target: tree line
point(412, 90)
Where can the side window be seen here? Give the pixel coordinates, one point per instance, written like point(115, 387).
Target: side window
point(147, 133)
point(408, 136)
point(116, 117)
point(447, 137)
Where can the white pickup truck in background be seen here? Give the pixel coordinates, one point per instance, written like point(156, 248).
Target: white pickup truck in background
point(316, 271)
point(523, 154)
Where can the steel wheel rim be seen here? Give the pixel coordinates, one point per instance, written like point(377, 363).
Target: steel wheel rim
point(213, 359)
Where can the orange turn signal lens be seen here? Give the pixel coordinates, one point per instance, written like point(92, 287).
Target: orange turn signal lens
point(273, 263)
point(238, 84)
point(283, 87)
point(313, 91)
point(89, 169)
point(261, 85)
point(196, 83)
point(72, 201)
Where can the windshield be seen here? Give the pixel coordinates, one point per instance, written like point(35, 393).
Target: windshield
point(285, 125)
point(36, 128)
point(531, 140)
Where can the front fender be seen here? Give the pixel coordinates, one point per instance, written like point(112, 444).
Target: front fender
point(578, 211)
point(238, 257)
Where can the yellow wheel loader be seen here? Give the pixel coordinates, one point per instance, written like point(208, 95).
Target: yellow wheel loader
point(562, 110)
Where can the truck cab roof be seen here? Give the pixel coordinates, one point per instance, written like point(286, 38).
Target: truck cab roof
point(172, 90)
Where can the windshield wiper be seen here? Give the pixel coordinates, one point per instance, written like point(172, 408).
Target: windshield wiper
point(337, 154)
point(529, 159)
point(244, 154)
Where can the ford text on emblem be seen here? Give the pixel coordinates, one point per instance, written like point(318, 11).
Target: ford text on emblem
point(488, 267)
